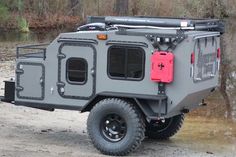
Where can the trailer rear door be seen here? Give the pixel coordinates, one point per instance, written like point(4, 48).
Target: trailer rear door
point(205, 58)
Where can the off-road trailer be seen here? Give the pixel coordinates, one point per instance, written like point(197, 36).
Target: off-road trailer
point(135, 75)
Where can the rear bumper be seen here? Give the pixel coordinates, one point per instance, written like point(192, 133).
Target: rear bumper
point(9, 92)
point(2, 98)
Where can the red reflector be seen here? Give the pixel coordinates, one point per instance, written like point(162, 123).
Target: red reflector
point(192, 58)
point(218, 53)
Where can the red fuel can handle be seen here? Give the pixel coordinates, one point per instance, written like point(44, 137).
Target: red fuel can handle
point(162, 68)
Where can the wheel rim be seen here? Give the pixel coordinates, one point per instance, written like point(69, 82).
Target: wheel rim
point(113, 127)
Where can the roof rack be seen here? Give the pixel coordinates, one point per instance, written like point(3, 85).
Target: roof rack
point(160, 23)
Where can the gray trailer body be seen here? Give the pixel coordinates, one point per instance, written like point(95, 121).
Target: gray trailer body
point(43, 82)
point(136, 76)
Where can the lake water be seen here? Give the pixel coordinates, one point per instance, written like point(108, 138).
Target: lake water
point(40, 36)
point(11, 39)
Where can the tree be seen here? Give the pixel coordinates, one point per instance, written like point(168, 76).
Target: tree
point(4, 13)
point(219, 10)
point(224, 73)
point(42, 8)
point(73, 5)
point(121, 7)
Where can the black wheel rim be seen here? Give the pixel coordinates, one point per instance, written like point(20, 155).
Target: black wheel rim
point(113, 127)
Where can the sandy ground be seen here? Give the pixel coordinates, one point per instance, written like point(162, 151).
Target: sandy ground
point(26, 132)
point(29, 132)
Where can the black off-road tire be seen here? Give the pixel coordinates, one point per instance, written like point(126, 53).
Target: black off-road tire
point(164, 130)
point(130, 117)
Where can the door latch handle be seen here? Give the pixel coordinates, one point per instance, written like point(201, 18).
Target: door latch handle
point(92, 72)
point(41, 81)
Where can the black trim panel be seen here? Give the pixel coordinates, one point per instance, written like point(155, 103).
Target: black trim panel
point(127, 43)
point(81, 40)
point(46, 106)
point(130, 95)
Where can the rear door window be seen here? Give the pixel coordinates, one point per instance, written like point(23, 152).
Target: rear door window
point(77, 70)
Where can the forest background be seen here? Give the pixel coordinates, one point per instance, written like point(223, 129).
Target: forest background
point(24, 16)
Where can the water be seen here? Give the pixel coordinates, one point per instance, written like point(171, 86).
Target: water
point(33, 35)
point(9, 40)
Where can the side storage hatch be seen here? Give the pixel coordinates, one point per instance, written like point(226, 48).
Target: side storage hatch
point(30, 81)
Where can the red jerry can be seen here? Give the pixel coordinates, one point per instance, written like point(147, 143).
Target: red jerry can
point(162, 68)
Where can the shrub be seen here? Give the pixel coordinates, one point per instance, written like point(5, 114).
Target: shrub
point(23, 25)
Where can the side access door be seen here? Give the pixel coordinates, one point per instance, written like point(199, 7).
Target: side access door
point(30, 78)
point(76, 70)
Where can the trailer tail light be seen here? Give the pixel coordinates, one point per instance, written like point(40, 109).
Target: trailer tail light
point(218, 53)
point(192, 58)
point(192, 61)
point(218, 58)
point(162, 68)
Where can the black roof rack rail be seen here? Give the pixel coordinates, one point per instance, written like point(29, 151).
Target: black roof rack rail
point(164, 22)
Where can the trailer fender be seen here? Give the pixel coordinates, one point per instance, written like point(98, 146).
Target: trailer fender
point(144, 103)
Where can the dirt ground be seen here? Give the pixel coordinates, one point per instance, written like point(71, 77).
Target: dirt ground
point(26, 132)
